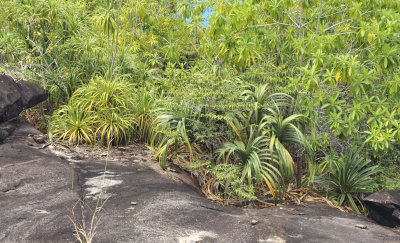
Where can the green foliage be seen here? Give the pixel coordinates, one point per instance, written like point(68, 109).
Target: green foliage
point(250, 153)
point(114, 128)
point(283, 131)
point(349, 176)
point(99, 112)
point(388, 162)
point(143, 106)
point(175, 125)
point(74, 123)
point(101, 93)
point(229, 183)
point(273, 112)
point(263, 134)
point(389, 178)
point(290, 77)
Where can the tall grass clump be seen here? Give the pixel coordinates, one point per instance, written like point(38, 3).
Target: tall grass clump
point(100, 112)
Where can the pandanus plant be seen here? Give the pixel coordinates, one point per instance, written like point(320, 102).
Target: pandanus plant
point(283, 132)
point(349, 175)
point(170, 129)
point(73, 123)
point(250, 152)
point(275, 110)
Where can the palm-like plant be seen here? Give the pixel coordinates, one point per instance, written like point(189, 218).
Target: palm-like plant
point(283, 132)
point(100, 111)
point(173, 137)
point(115, 127)
point(142, 110)
point(349, 176)
point(251, 154)
point(260, 100)
point(274, 111)
point(104, 93)
point(257, 96)
point(72, 122)
point(170, 128)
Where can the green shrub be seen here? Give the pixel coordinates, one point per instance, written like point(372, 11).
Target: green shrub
point(114, 128)
point(252, 158)
point(75, 123)
point(100, 112)
point(101, 93)
point(143, 107)
point(389, 164)
point(274, 111)
point(349, 176)
point(170, 128)
point(229, 184)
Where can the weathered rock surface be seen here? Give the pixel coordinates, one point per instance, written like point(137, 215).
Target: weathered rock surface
point(17, 96)
point(145, 204)
point(317, 223)
point(35, 191)
point(384, 207)
point(7, 128)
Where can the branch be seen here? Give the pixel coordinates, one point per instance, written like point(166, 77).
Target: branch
point(134, 24)
point(319, 18)
point(294, 22)
point(205, 59)
point(257, 26)
point(345, 33)
point(342, 11)
point(116, 41)
point(344, 21)
point(265, 25)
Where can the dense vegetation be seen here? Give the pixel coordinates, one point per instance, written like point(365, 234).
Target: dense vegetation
point(252, 97)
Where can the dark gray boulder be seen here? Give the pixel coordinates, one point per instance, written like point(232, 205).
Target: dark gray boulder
point(384, 207)
point(17, 96)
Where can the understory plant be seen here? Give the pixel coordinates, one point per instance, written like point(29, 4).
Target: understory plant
point(171, 129)
point(348, 176)
point(252, 159)
point(144, 104)
point(100, 112)
point(275, 112)
point(74, 123)
point(283, 132)
point(261, 154)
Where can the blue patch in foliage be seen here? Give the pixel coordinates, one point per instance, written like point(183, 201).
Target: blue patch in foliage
point(206, 15)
